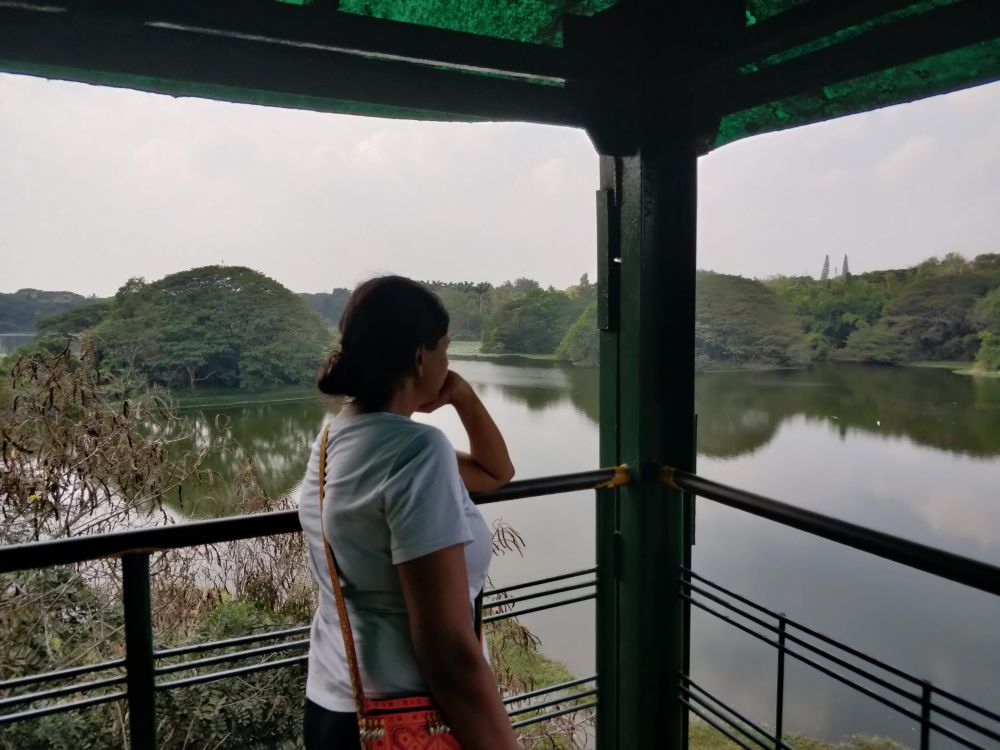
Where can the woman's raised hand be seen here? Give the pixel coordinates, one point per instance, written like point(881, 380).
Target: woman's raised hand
point(455, 390)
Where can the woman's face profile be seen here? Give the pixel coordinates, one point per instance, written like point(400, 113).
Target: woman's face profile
point(435, 367)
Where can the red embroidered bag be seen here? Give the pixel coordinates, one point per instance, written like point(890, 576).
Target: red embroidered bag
point(406, 723)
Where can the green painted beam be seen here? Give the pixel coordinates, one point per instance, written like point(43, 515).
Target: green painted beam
point(944, 29)
point(105, 50)
point(323, 26)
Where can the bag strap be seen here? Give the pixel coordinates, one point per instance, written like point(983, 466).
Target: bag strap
point(338, 594)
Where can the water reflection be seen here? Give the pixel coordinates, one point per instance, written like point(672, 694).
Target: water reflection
point(738, 413)
point(910, 451)
point(741, 412)
point(277, 437)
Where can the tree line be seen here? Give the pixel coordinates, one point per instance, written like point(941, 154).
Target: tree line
point(518, 316)
point(228, 326)
point(939, 310)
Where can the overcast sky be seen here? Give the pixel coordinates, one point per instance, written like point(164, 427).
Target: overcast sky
point(100, 184)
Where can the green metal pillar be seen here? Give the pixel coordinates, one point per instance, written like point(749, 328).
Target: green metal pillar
point(647, 217)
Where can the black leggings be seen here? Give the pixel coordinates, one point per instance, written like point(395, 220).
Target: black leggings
point(329, 730)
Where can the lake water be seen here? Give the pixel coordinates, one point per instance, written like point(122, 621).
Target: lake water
point(910, 451)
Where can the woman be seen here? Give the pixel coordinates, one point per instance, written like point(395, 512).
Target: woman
point(411, 548)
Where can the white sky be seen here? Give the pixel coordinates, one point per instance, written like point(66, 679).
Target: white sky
point(98, 184)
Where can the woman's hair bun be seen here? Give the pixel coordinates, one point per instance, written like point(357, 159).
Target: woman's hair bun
point(336, 377)
point(386, 320)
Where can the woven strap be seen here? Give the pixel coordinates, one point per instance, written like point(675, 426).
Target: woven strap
point(338, 594)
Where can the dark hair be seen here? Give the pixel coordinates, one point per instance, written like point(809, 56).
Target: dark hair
point(384, 323)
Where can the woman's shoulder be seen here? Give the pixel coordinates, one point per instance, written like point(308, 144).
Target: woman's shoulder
point(385, 433)
point(423, 440)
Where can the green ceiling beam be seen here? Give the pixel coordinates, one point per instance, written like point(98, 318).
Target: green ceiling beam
point(109, 50)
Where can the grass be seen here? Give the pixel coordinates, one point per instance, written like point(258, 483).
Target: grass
point(958, 367)
point(230, 397)
point(702, 736)
point(473, 350)
point(945, 364)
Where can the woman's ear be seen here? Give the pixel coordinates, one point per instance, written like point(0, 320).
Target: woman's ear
point(418, 361)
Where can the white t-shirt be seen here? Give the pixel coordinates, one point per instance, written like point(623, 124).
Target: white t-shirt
point(393, 494)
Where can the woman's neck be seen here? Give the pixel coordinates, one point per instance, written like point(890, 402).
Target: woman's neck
point(400, 403)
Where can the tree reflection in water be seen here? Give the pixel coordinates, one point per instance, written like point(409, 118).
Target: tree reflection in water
point(738, 413)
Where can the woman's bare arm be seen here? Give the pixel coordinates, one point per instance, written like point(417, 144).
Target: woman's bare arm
point(436, 590)
point(487, 465)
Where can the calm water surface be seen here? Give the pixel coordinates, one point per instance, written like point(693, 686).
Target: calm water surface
point(913, 452)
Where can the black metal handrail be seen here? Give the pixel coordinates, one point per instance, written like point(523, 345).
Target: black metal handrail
point(141, 665)
point(44, 554)
point(907, 695)
point(871, 677)
point(964, 570)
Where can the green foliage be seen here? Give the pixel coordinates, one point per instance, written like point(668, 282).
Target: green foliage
point(6, 393)
point(929, 318)
point(328, 305)
point(215, 325)
point(988, 357)
point(533, 320)
point(931, 312)
point(76, 320)
point(830, 311)
point(530, 323)
point(703, 736)
point(580, 344)
point(256, 710)
point(742, 323)
point(20, 310)
point(51, 619)
point(985, 314)
point(468, 305)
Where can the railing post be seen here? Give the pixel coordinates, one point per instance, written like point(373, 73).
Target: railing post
point(139, 665)
point(779, 699)
point(925, 716)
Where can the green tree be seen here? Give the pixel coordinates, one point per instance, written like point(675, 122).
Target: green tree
point(743, 323)
point(217, 325)
point(829, 312)
point(76, 320)
point(928, 320)
point(988, 356)
point(580, 344)
point(20, 310)
point(530, 323)
point(985, 314)
point(329, 305)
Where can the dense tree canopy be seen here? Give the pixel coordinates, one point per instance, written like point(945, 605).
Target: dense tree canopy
point(329, 305)
point(741, 323)
point(937, 310)
point(216, 325)
point(234, 327)
point(20, 310)
point(580, 344)
point(534, 320)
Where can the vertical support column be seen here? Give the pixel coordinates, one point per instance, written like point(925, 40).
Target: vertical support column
point(608, 538)
point(642, 634)
point(139, 675)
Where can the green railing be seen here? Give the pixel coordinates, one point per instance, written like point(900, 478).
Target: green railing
point(138, 676)
point(144, 670)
